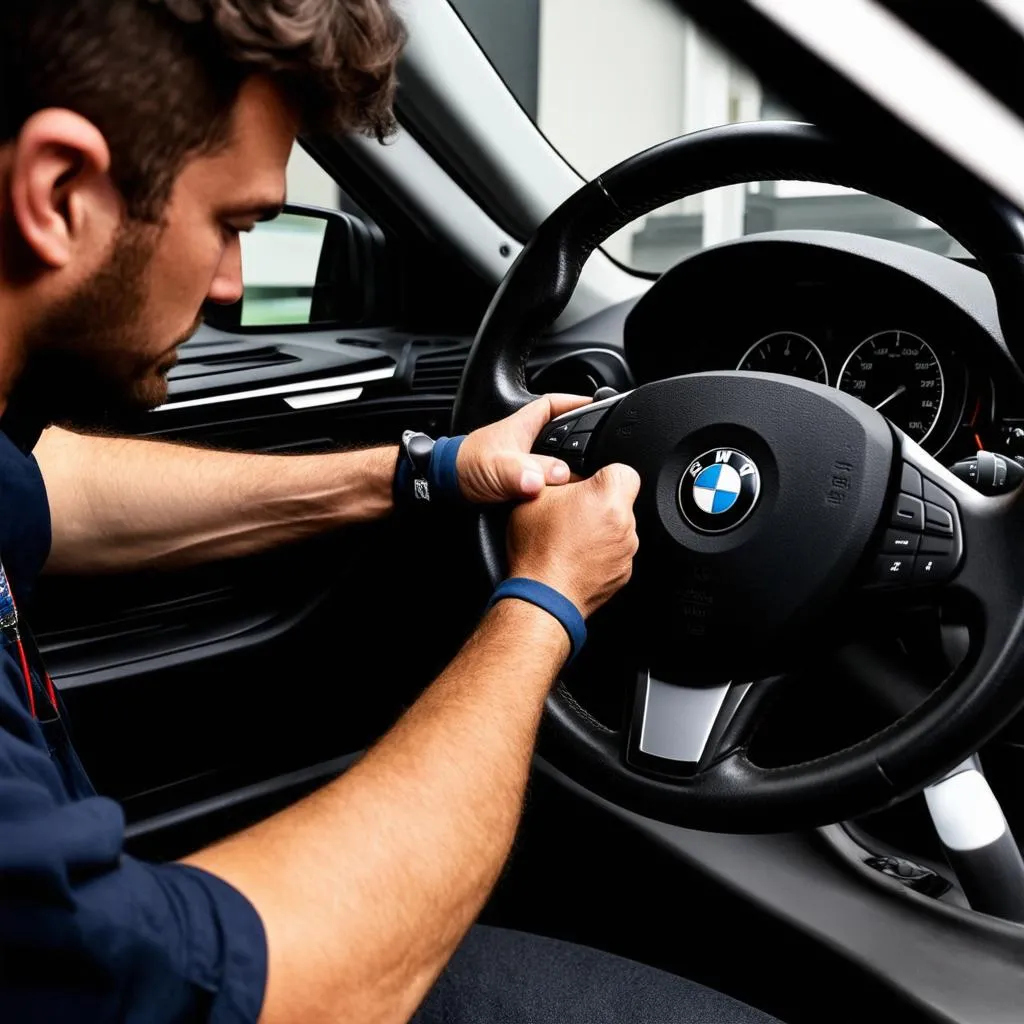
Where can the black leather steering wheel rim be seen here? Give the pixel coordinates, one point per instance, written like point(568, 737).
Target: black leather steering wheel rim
point(956, 720)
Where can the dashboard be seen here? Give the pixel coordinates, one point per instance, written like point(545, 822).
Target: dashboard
point(920, 344)
point(911, 333)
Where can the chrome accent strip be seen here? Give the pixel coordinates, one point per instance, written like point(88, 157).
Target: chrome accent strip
point(678, 720)
point(324, 398)
point(384, 373)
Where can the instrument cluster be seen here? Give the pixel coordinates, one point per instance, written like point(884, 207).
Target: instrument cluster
point(894, 371)
point(922, 350)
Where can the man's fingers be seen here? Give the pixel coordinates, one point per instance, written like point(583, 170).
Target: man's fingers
point(555, 470)
point(618, 479)
point(520, 476)
point(527, 475)
point(558, 403)
point(535, 416)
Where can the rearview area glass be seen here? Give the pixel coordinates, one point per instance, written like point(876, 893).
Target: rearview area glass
point(280, 260)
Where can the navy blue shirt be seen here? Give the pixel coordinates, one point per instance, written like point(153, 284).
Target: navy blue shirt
point(88, 934)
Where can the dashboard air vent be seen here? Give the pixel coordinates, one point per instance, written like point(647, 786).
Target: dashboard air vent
point(206, 359)
point(439, 373)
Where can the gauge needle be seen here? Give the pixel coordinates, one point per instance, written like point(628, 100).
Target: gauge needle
point(896, 394)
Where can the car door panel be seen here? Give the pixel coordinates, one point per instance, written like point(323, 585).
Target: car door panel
point(184, 687)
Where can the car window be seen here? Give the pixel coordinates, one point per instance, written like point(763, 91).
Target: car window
point(574, 67)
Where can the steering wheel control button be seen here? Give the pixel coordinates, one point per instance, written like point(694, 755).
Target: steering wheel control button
point(910, 481)
point(576, 444)
point(719, 490)
point(893, 569)
point(925, 543)
point(553, 438)
point(938, 520)
point(938, 568)
point(908, 513)
point(900, 542)
point(938, 546)
point(940, 509)
point(588, 421)
point(937, 496)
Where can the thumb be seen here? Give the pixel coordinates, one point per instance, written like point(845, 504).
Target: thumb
point(520, 475)
point(618, 479)
point(533, 417)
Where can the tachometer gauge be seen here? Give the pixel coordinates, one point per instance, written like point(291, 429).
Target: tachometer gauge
point(898, 374)
point(786, 352)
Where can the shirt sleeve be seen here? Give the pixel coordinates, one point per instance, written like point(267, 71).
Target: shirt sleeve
point(90, 934)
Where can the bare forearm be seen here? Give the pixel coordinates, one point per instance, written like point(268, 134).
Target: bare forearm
point(121, 503)
point(367, 887)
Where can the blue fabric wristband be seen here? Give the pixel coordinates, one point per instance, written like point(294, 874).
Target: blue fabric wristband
point(554, 603)
point(403, 480)
point(442, 475)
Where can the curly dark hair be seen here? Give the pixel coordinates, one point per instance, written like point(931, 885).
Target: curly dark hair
point(159, 78)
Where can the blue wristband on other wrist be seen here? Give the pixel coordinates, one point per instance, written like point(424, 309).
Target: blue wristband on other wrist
point(550, 600)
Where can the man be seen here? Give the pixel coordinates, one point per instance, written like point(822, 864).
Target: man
point(137, 139)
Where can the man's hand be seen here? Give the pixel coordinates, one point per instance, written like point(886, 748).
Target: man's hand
point(579, 539)
point(495, 463)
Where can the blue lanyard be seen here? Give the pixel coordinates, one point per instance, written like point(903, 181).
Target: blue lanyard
point(10, 630)
point(8, 611)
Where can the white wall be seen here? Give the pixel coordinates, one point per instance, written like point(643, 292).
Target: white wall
point(619, 76)
point(611, 82)
point(611, 77)
point(308, 183)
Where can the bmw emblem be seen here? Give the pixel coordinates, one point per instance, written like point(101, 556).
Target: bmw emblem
point(719, 490)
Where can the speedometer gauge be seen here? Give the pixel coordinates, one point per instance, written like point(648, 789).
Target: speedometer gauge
point(898, 374)
point(786, 352)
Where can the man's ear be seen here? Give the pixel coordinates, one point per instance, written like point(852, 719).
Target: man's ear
point(62, 198)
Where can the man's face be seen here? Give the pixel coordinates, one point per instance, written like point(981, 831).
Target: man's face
point(109, 343)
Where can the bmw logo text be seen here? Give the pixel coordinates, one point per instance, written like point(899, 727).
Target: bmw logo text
point(719, 490)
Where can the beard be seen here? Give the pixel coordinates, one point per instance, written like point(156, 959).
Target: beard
point(90, 364)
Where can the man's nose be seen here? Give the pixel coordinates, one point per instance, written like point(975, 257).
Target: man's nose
point(227, 287)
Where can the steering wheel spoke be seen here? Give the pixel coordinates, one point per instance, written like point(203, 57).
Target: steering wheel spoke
point(679, 730)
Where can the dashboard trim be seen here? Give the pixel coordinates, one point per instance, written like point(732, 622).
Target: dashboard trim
point(366, 376)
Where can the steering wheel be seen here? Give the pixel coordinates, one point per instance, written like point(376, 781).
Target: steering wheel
point(767, 504)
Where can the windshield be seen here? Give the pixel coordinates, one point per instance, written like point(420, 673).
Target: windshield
point(604, 80)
